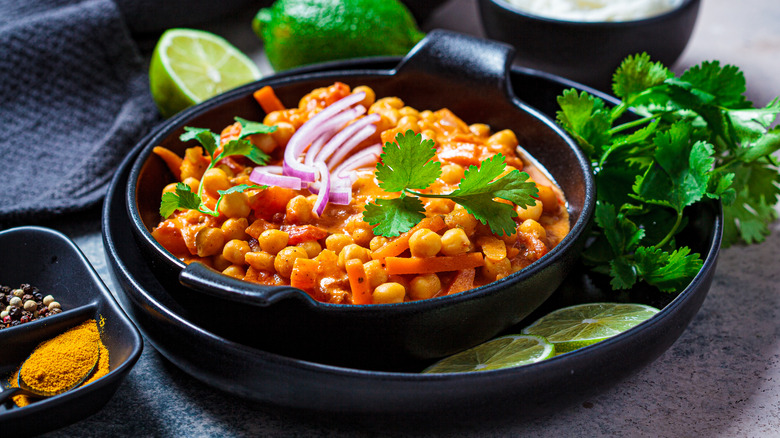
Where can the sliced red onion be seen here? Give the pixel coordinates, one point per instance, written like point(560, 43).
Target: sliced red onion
point(339, 141)
point(367, 156)
point(341, 191)
point(351, 144)
point(308, 132)
point(260, 176)
point(276, 170)
point(324, 193)
point(331, 127)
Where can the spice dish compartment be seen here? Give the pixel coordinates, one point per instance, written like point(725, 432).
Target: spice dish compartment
point(50, 261)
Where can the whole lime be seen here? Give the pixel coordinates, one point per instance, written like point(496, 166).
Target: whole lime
point(300, 32)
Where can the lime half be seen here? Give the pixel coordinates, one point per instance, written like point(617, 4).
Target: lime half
point(189, 66)
point(504, 352)
point(584, 324)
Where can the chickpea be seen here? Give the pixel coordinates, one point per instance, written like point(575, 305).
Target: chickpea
point(439, 206)
point(361, 232)
point(424, 243)
point(285, 260)
point(220, 263)
point(424, 286)
point(235, 271)
point(378, 242)
point(375, 273)
point(370, 95)
point(209, 241)
point(452, 173)
point(272, 241)
point(530, 211)
point(235, 250)
point(534, 228)
point(234, 228)
point(337, 242)
point(264, 142)
point(312, 248)
point(460, 218)
point(192, 183)
point(509, 239)
point(480, 130)
point(504, 138)
point(389, 293)
point(299, 210)
point(495, 270)
point(284, 131)
point(170, 188)
point(215, 179)
point(353, 251)
point(390, 102)
point(235, 205)
point(455, 242)
point(409, 111)
point(548, 198)
point(260, 260)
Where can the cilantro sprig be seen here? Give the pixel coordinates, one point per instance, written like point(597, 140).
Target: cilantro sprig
point(183, 197)
point(406, 166)
point(696, 137)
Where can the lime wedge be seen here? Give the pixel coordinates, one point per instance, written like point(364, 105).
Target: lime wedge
point(189, 66)
point(584, 324)
point(504, 352)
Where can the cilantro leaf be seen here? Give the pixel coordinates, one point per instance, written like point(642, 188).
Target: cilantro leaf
point(668, 272)
point(182, 197)
point(681, 171)
point(249, 127)
point(394, 216)
point(622, 234)
point(636, 74)
point(406, 163)
point(725, 84)
point(205, 137)
point(586, 119)
point(244, 148)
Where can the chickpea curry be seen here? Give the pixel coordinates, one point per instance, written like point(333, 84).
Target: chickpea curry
point(321, 214)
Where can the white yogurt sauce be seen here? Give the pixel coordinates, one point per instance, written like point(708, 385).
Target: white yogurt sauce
point(595, 10)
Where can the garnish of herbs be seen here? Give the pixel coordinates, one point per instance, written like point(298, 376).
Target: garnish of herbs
point(183, 197)
point(696, 137)
point(407, 167)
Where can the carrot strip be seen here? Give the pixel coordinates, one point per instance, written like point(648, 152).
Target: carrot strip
point(268, 100)
point(429, 265)
point(401, 243)
point(463, 281)
point(172, 160)
point(304, 274)
point(358, 282)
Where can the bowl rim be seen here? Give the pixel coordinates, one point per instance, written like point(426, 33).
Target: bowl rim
point(511, 9)
point(166, 128)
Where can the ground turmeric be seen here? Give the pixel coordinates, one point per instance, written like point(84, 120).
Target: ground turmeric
point(63, 361)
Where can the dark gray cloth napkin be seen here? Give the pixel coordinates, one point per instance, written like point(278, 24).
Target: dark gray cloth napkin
point(73, 101)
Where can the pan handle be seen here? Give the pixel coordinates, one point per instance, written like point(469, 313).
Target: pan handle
point(203, 279)
point(485, 64)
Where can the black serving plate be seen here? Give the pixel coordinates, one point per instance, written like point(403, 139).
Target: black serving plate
point(49, 260)
point(289, 382)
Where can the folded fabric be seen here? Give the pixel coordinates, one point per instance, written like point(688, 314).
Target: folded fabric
point(73, 101)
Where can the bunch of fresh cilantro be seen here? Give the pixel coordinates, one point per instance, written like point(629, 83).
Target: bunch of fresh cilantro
point(695, 137)
point(183, 197)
